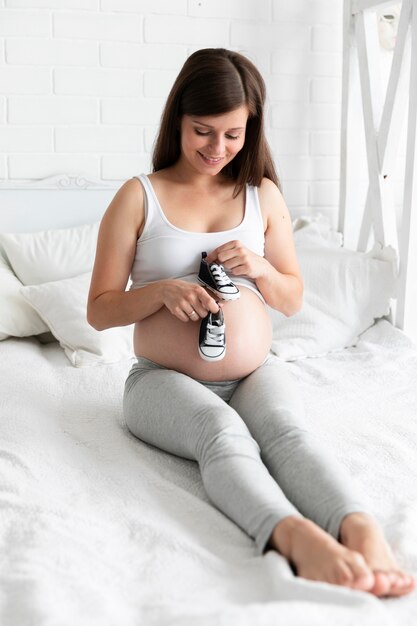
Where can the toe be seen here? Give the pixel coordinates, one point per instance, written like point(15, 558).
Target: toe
point(392, 583)
point(401, 584)
point(382, 583)
point(363, 577)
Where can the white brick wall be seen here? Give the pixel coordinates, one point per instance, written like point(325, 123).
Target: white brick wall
point(31, 51)
point(166, 7)
point(232, 9)
point(89, 5)
point(97, 82)
point(26, 139)
point(97, 26)
point(25, 80)
point(28, 23)
point(2, 166)
point(52, 110)
point(142, 56)
point(188, 30)
point(83, 83)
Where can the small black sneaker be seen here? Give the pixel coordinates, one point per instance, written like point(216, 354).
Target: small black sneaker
point(212, 341)
point(213, 276)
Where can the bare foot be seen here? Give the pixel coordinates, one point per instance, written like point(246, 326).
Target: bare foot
point(362, 533)
point(315, 555)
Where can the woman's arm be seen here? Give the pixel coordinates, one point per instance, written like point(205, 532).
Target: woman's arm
point(277, 275)
point(281, 283)
point(108, 303)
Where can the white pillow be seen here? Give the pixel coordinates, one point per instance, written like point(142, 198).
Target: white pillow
point(51, 254)
point(344, 292)
point(17, 317)
point(62, 305)
point(317, 230)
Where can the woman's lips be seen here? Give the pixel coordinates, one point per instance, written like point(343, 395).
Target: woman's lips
point(210, 160)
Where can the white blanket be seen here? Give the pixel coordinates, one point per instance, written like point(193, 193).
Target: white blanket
point(98, 528)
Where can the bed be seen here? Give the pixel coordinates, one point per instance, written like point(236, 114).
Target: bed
point(99, 528)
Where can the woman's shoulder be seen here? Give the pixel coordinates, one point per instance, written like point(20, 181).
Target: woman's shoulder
point(127, 204)
point(131, 186)
point(268, 186)
point(166, 175)
point(270, 197)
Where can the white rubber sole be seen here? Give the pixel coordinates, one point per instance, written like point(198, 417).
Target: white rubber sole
point(212, 358)
point(222, 296)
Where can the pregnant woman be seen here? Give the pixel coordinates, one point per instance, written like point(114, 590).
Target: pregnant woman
point(214, 189)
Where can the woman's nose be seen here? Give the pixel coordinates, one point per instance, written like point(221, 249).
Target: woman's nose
point(217, 145)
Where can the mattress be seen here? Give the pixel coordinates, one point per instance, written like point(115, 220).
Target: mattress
point(99, 528)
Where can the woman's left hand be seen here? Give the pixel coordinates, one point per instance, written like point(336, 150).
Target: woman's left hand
point(238, 260)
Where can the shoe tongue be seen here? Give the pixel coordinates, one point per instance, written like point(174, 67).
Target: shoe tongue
point(216, 319)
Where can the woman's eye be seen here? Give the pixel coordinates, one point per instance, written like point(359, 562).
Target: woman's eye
point(203, 133)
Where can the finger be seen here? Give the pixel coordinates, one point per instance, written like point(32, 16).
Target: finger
point(180, 313)
point(198, 306)
point(232, 263)
point(209, 304)
point(212, 257)
point(232, 256)
point(194, 316)
point(214, 254)
point(238, 270)
point(196, 309)
point(203, 301)
point(214, 307)
point(189, 307)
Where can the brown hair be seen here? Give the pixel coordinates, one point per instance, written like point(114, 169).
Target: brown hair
point(214, 81)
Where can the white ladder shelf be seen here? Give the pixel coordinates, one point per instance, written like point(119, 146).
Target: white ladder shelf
point(383, 117)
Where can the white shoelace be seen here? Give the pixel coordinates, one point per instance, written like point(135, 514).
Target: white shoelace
point(214, 335)
point(219, 274)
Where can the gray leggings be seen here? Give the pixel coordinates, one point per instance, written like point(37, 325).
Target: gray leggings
point(258, 461)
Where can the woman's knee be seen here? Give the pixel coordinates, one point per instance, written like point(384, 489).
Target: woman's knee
point(137, 402)
point(182, 418)
point(224, 434)
point(269, 397)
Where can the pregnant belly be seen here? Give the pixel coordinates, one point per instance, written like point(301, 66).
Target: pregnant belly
point(164, 339)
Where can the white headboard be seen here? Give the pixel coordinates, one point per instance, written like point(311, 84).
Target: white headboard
point(56, 202)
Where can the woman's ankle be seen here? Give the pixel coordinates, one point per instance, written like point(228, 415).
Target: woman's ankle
point(281, 536)
point(355, 520)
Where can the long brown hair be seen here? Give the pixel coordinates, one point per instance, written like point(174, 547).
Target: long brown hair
point(214, 81)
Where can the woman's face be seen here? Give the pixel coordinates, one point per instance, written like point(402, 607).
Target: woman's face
point(209, 142)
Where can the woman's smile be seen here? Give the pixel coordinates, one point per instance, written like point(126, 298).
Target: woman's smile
point(209, 160)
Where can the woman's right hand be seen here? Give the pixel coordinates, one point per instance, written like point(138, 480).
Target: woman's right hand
point(187, 301)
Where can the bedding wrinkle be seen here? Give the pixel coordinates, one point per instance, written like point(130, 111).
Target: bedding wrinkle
point(14, 460)
point(150, 508)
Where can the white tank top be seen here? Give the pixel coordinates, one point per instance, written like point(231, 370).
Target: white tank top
point(164, 251)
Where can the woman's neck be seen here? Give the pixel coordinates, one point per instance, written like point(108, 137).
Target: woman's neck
point(184, 174)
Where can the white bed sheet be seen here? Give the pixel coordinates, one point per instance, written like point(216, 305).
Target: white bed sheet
point(98, 528)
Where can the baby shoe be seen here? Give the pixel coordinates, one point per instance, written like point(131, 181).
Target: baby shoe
point(212, 340)
point(213, 276)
